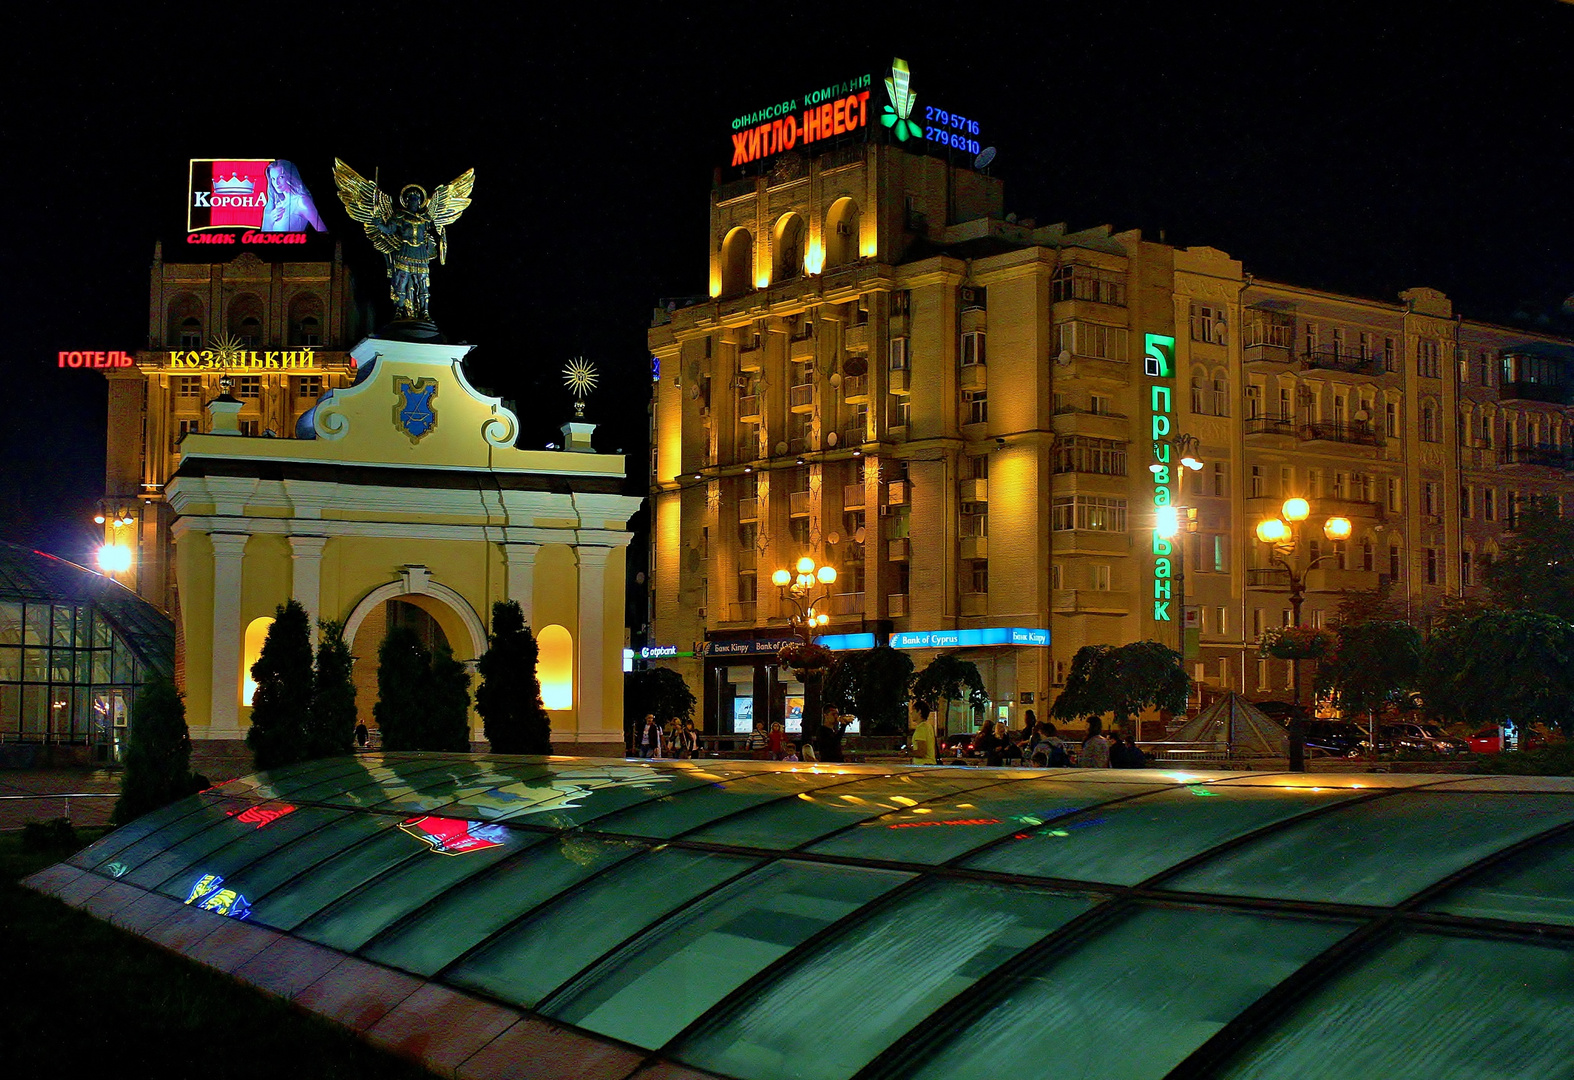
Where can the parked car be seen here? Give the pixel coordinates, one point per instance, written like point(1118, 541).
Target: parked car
point(1489, 740)
point(1336, 738)
point(1410, 737)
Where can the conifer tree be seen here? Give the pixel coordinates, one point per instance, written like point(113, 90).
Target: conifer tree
point(331, 728)
point(282, 701)
point(158, 752)
point(403, 681)
point(448, 715)
point(509, 697)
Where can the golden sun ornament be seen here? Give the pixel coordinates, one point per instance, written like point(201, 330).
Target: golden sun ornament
point(580, 377)
point(228, 350)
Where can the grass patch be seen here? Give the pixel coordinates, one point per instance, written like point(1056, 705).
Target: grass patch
point(85, 998)
point(1555, 760)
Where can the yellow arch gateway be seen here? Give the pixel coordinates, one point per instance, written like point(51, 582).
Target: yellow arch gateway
point(403, 488)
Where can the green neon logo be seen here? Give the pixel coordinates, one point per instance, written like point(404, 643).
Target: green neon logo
point(901, 104)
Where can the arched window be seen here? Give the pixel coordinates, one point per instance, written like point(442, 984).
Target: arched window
point(555, 667)
point(256, 634)
point(306, 320)
point(185, 322)
point(737, 263)
point(841, 233)
point(245, 320)
point(1221, 394)
point(788, 248)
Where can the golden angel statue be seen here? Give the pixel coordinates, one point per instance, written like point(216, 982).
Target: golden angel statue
point(410, 235)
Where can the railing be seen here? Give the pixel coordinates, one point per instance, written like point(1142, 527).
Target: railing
point(740, 611)
point(1555, 393)
point(847, 603)
point(798, 503)
point(854, 386)
point(748, 558)
point(896, 493)
point(749, 407)
point(853, 435)
point(801, 396)
point(1359, 434)
point(896, 548)
point(1072, 410)
point(1333, 358)
point(1264, 353)
point(852, 496)
point(1269, 425)
point(749, 509)
point(1551, 457)
point(1267, 577)
point(733, 189)
point(896, 605)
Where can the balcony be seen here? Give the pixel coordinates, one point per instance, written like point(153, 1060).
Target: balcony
point(852, 496)
point(1090, 602)
point(1353, 433)
point(801, 350)
point(852, 435)
point(1070, 420)
point(896, 493)
point(897, 382)
point(855, 388)
point(1264, 353)
point(1267, 577)
point(1547, 457)
point(798, 503)
point(974, 490)
point(855, 338)
point(740, 612)
point(974, 603)
point(750, 358)
point(1090, 542)
point(748, 559)
point(749, 409)
point(1333, 358)
point(847, 603)
point(896, 549)
point(1551, 392)
point(749, 509)
point(1331, 579)
point(800, 397)
point(975, 547)
point(971, 377)
point(748, 448)
point(896, 605)
point(1270, 425)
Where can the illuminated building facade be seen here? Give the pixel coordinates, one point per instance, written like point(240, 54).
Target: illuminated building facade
point(978, 420)
point(279, 329)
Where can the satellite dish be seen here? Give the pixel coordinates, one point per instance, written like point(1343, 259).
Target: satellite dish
point(694, 392)
point(836, 378)
point(830, 438)
point(1362, 415)
point(833, 537)
point(984, 158)
point(859, 536)
point(781, 448)
point(1064, 358)
point(855, 366)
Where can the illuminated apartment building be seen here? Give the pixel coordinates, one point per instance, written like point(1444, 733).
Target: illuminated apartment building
point(977, 421)
point(278, 329)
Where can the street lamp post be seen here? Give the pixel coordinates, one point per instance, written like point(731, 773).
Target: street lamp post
point(809, 615)
point(1283, 535)
point(1173, 522)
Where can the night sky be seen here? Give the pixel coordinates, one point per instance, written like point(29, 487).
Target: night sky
point(1364, 149)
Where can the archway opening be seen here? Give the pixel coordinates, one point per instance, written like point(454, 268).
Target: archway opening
point(256, 634)
point(737, 263)
point(555, 667)
point(788, 248)
point(416, 612)
point(841, 233)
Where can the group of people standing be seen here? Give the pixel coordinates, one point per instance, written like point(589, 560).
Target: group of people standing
point(679, 739)
point(676, 739)
point(1038, 745)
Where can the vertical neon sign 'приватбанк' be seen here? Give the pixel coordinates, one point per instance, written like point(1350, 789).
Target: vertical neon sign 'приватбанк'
point(1159, 366)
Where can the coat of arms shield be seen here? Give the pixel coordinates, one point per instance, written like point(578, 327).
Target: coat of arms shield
point(415, 411)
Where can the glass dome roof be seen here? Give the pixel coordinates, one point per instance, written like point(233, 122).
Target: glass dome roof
point(767, 921)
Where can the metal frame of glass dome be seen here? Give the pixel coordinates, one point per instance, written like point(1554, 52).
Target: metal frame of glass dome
point(858, 921)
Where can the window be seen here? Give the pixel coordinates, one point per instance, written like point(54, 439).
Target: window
point(898, 353)
point(248, 386)
point(1390, 355)
point(1341, 485)
point(1221, 397)
point(748, 588)
point(1366, 553)
point(1100, 576)
point(1465, 575)
point(251, 427)
point(1207, 324)
point(1221, 479)
point(975, 407)
point(1430, 502)
point(1486, 432)
point(1286, 481)
point(1462, 359)
point(1269, 328)
point(975, 519)
point(980, 575)
point(1259, 621)
point(972, 348)
point(1099, 405)
point(1198, 400)
point(1256, 491)
point(901, 302)
point(1310, 339)
point(798, 529)
point(1428, 422)
point(1489, 504)
point(1056, 576)
point(1392, 499)
point(1221, 619)
point(1093, 339)
point(1314, 483)
point(1076, 282)
point(1253, 401)
point(1221, 554)
point(1485, 368)
point(1467, 499)
point(184, 428)
point(1393, 562)
point(1431, 566)
point(1427, 359)
point(190, 336)
point(188, 386)
point(1081, 454)
point(1341, 554)
point(900, 411)
point(1285, 412)
point(1090, 512)
point(308, 386)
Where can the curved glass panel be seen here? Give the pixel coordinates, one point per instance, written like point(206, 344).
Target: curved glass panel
point(1377, 852)
point(1537, 885)
point(105, 848)
point(454, 922)
point(787, 823)
point(204, 815)
point(1133, 840)
point(1118, 1006)
point(574, 795)
point(529, 961)
point(839, 1006)
point(233, 824)
point(260, 839)
point(695, 959)
point(377, 784)
point(1429, 1007)
point(672, 815)
point(942, 829)
point(288, 779)
point(281, 864)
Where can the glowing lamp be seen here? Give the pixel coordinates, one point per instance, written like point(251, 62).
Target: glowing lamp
point(114, 558)
point(1337, 528)
point(781, 579)
point(1166, 521)
point(98, 519)
point(806, 565)
point(1191, 463)
point(1272, 531)
point(1296, 509)
point(826, 574)
point(821, 620)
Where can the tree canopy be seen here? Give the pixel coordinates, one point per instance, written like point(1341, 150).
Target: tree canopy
point(1123, 680)
point(872, 685)
point(1535, 570)
point(1502, 666)
point(949, 678)
point(282, 701)
point(423, 701)
point(1373, 663)
point(509, 697)
point(158, 752)
point(330, 727)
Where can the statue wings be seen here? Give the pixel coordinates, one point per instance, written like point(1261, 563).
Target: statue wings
point(366, 203)
point(445, 206)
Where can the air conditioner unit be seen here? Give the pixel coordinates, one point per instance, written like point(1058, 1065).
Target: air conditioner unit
point(844, 228)
point(704, 411)
point(701, 613)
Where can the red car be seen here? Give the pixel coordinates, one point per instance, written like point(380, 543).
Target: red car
point(1489, 740)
